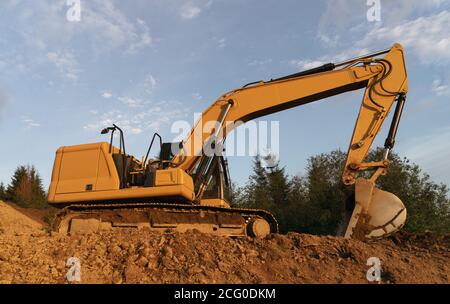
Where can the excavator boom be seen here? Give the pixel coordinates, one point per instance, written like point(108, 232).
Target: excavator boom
point(384, 79)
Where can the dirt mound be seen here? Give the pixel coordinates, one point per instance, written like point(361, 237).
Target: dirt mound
point(16, 222)
point(39, 215)
point(131, 256)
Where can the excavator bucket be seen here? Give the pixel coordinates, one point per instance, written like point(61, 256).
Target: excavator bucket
point(376, 213)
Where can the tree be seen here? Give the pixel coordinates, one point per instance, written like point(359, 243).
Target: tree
point(237, 197)
point(279, 189)
point(16, 180)
point(297, 210)
point(26, 188)
point(2, 192)
point(325, 195)
point(256, 191)
point(267, 189)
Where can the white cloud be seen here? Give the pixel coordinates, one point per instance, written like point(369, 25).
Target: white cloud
point(137, 122)
point(193, 8)
point(222, 42)
point(305, 64)
point(140, 94)
point(439, 88)
point(107, 94)
point(190, 11)
point(335, 19)
point(142, 39)
point(131, 102)
point(66, 63)
point(260, 62)
point(428, 37)
point(30, 123)
point(136, 131)
point(346, 19)
point(135, 110)
point(344, 24)
point(108, 27)
point(149, 84)
point(425, 37)
point(197, 96)
point(41, 28)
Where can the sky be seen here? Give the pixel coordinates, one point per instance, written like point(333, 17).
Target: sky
point(145, 64)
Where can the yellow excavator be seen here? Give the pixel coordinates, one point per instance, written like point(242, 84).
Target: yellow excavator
point(99, 186)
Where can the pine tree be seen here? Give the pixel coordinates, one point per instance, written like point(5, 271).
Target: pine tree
point(259, 176)
point(39, 195)
point(26, 188)
point(256, 190)
point(2, 192)
point(16, 181)
point(279, 186)
point(297, 210)
point(268, 189)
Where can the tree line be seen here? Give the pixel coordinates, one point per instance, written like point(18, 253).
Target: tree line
point(25, 189)
point(315, 202)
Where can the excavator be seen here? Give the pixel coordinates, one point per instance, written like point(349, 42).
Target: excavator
point(99, 186)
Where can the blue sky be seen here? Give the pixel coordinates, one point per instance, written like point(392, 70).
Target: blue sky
point(144, 64)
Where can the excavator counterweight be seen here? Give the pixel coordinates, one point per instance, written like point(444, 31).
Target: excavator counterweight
point(100, 186)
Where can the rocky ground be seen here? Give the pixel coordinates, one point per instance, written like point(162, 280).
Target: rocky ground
point(29, 254)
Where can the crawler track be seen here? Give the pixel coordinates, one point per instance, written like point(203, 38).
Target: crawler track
point(165, 216)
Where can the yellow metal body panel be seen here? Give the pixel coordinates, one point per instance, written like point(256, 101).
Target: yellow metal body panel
point(175, 192)
point(216, 202)
point(87, 173)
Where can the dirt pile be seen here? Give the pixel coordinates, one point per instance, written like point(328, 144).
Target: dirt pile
point(13, 221)
point(131, 256)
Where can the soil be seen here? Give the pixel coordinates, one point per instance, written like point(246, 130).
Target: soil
point(29, 254)
point(15, 219)
point(38, 215)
